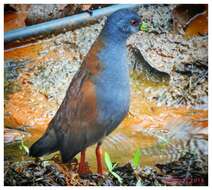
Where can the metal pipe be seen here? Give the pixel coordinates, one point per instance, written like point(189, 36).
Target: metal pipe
point(54, 25)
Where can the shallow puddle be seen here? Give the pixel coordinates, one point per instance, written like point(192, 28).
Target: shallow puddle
point(147, 126)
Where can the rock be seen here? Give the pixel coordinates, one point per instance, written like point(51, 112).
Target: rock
point(14, 135)
point(145, 69)
point(186, 61)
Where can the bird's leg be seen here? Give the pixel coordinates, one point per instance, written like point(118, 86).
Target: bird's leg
point(99, 159)
point(82, 167)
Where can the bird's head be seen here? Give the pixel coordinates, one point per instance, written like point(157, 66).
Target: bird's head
point(122, 23)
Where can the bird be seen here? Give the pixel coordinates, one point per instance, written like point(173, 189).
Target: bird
point(98, 97)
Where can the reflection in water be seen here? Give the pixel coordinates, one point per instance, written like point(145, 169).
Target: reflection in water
point(163, 133)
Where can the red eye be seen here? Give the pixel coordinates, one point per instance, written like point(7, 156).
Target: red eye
point(134, 22)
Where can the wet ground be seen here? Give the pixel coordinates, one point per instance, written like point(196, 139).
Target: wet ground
point(37, 76)
point(187, 170)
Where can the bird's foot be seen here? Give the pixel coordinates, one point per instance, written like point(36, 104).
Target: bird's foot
point(83, 166)
point(84, 169)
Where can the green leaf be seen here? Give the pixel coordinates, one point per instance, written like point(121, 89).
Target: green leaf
point(108, 161)
point(23, 147)
point(110, 167)
point(20, 147)
point(137, 158)
point(144, 27)
point(114, 165)
point(26, 149)
point(117, 176)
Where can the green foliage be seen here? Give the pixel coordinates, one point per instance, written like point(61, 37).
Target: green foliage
point(144, 27)
point(24, 148)
point(136, 158)
point(110, 167)
point(135, 164)
point(108, 161)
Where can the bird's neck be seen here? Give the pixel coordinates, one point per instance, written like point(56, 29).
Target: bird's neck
point(112, 57)
point(114, 53)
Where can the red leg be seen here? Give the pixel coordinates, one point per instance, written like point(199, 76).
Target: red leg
point(99, 159)
point(82, 167)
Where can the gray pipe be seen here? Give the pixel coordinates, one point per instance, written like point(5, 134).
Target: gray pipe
point(54, 25)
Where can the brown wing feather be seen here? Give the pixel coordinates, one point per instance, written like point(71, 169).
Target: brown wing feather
point(75, 122)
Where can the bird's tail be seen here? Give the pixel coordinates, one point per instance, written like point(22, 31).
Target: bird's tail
point(45, 145)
